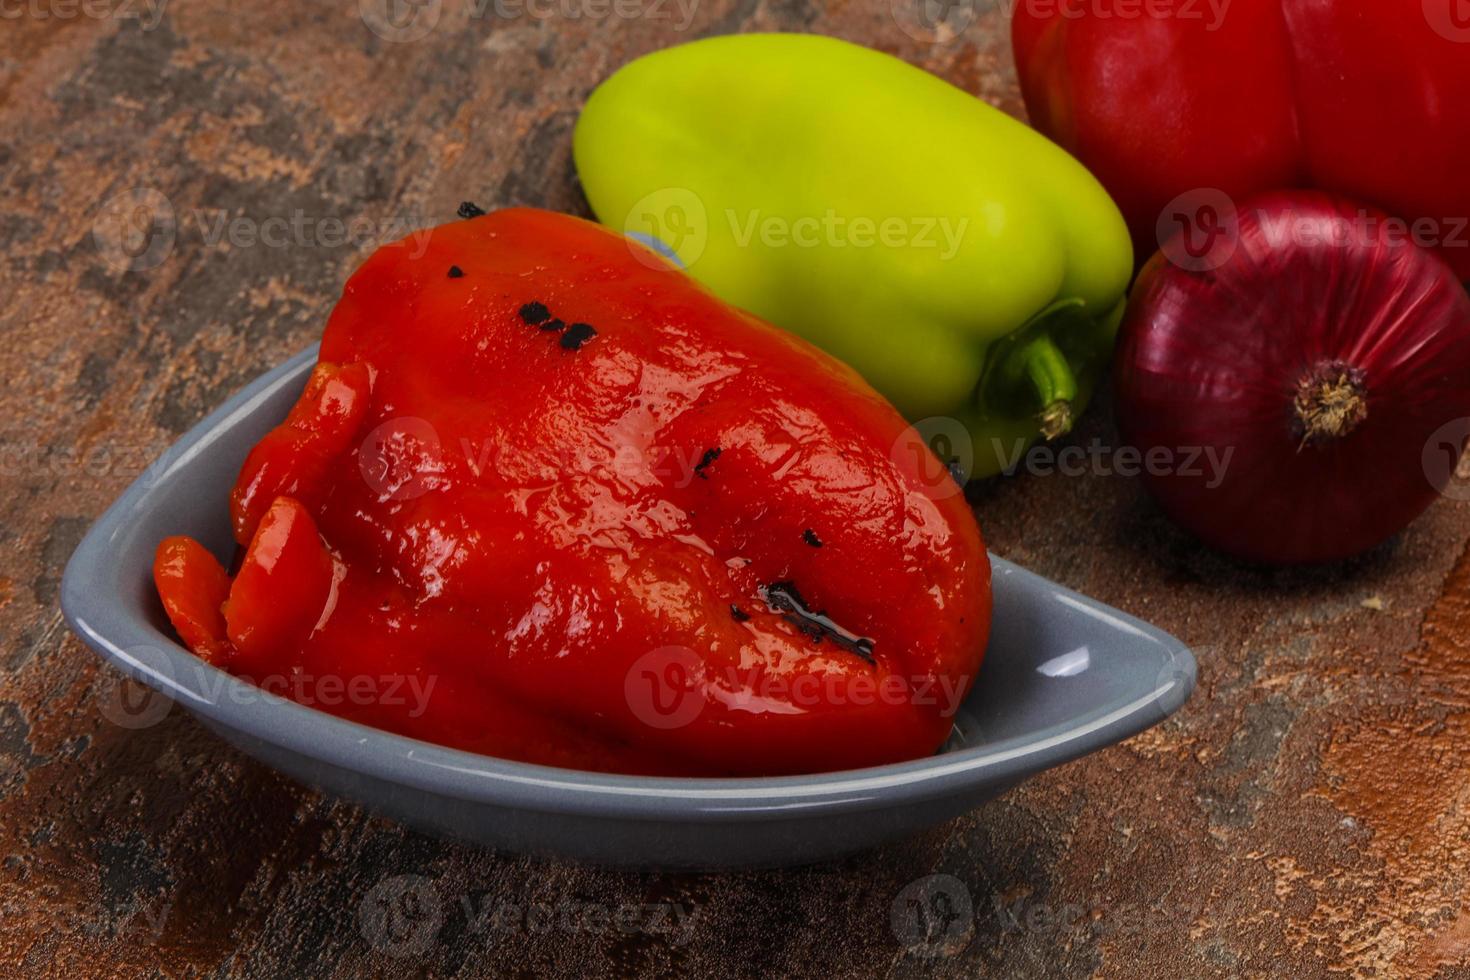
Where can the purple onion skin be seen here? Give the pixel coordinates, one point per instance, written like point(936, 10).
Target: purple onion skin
point(1213, 353)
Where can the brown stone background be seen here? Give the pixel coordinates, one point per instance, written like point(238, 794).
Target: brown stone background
point(1305, 815)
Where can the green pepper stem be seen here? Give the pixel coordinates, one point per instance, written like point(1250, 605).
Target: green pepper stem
point(1051, 380)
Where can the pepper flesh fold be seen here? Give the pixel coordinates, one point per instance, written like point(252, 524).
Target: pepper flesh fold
point(565, 506)
point(887, 216)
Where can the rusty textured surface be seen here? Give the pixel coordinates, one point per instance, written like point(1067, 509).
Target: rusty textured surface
point(1307, 814)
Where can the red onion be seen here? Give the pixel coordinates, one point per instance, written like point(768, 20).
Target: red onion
point(1316, 355)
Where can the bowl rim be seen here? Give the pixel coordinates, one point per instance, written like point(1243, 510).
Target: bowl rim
point(107, 623)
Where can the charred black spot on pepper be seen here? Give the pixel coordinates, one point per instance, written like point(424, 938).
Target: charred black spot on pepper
point(469, 209)
point(554, 324)
point(576, 335)
point(455, 272)
point(810, 537)
point(783, 595)
point(784, 598)
point(739, 615)
point(710, 455)
point(534, 313)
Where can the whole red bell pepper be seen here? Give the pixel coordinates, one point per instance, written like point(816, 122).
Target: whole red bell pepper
point(1163, 97)
point(547, 498)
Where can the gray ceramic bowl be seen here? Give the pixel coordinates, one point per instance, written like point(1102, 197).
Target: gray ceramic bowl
point(1064, 676)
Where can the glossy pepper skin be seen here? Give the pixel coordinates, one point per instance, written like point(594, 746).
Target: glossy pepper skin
point(1365, 99)
point(582, 503)
point(772, 165)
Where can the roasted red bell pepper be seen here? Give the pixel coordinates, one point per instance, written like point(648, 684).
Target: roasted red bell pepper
point(544, 497)
point(1366, 99)
point(194, 588)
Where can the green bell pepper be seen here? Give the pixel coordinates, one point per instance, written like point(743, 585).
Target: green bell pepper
point(965, 265)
